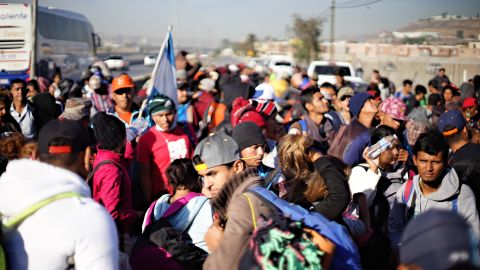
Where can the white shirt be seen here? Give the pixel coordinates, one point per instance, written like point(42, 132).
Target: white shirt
point(25, 120)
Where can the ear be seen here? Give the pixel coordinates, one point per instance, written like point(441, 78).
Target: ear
point(86, 158)
point(309, 106)
point(415, 160)
point(238, 166)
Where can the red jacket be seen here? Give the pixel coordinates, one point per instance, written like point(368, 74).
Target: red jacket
point(112, 187)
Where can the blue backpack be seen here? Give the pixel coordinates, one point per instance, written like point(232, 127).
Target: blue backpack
point(346, 256)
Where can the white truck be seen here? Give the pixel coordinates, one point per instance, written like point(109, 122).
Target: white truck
point(326, 70)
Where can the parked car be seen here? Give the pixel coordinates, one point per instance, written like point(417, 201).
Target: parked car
point(326, 70)
point(149, 60)
point(117, 62)
point(282, 66)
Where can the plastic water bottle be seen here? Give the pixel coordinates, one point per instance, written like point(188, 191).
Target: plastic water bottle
point(381, 146)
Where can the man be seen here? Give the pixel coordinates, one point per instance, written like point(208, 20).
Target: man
point(68, 232)
point(124, 108)
point(315, 123)
point(406, 91)
point(465, 155)
point(252, 144)
point(442, 79)
point(428, 116)
point(433, 87)
point(418, 99)
point(20, 110)
point(438, 240)
point(217, 160)
point(435, 187)
point(159, 146)
point(350, 141)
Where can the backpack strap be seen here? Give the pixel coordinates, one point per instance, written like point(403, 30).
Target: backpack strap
point(179, 204)
point(254, 220)
point(24, 214)
point(407, 193)
point(303, 124)
point(455, 205)
point(95, 169)
point(192, 218)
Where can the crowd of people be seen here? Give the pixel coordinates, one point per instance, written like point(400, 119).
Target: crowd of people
point(97, 174)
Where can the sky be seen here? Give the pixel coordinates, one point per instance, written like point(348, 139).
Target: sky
point(204, 23)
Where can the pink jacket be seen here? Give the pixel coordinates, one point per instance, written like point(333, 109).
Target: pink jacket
point(113, 189)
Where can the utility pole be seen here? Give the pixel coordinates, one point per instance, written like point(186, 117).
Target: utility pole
point(33, 60)
point(332, 31)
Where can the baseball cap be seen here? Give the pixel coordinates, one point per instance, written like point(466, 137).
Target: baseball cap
point(215, 150)
point(264, 91)
point(394, 107)
point(438, 240)
point(451, 118)
point(122, 81)
point(75, 136)
point(469, 102)
point(345, 91)
point(76, 109)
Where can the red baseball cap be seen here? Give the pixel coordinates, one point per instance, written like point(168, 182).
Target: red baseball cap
point(469, 102)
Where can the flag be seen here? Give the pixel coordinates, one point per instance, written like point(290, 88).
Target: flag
point(163, 78)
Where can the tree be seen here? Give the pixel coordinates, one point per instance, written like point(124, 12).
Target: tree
point(308, 32)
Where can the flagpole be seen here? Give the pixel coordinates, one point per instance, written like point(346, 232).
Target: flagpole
point(157, 63)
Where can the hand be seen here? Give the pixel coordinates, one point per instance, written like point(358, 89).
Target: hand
point(214, 235)
point(372, 163)
point(402, 156)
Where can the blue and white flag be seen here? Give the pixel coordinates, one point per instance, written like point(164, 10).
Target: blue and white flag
point(164, 79)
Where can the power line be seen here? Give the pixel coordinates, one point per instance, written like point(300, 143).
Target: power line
point(361, 5)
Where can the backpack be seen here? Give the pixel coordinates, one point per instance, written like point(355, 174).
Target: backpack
point(336, 148)
point(291, 217)
point(162, 244)
point(15, 221)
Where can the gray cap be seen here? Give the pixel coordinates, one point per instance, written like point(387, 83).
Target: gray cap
point(215, 150)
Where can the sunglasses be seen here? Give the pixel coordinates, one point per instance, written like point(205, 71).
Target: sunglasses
point(123, 91)
point(343, 98)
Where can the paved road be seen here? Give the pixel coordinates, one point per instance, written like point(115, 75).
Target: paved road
point(136, 71)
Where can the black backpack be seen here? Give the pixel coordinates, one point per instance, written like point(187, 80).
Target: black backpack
point(161, 239)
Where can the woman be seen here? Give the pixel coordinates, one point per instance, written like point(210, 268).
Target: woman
point(195, 215)
point(313, 181)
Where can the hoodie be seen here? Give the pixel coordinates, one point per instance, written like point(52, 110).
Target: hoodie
point(77, 227)
point(449, 190)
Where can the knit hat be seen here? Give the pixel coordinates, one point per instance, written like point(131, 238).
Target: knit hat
point(438, 240)
point(244, 111)
point(109, 130)
point(160, 103)
point(247, 134)
point(451, 118)
point(72, 132)
point(357, 102)
point(215, 150)
point(76, 108)
point(394, 107)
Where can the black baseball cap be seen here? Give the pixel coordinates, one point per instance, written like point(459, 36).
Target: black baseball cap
point(75, 135)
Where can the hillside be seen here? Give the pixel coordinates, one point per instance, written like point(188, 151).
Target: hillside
point(470, 27)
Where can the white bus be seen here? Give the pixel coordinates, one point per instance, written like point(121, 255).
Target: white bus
point(65, 42)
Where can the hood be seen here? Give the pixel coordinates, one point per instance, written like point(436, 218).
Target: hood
point(27, 182)
point(450, 186)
